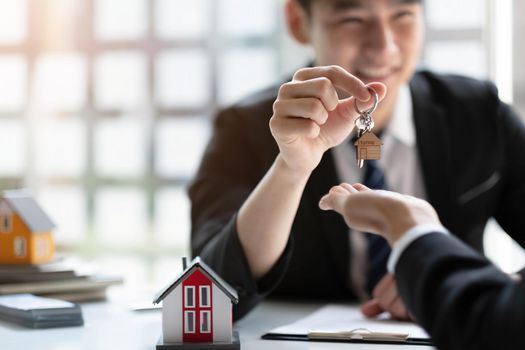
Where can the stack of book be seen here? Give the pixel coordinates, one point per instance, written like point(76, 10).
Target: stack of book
point(61, 279)
point(39, 312)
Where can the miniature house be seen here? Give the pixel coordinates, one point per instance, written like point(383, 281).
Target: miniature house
point(197, 307)
point(25, 230)
point(368, 146)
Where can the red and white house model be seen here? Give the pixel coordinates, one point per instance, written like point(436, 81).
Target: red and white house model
point(197, 307)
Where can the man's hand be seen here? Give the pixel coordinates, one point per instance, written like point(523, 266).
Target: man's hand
point(309, 118)
point(385, 213)
point(386, 298)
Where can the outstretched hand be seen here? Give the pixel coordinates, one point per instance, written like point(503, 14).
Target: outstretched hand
point(388, 214)
point(385, 213)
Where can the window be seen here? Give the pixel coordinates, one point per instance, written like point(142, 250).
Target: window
point(123, 91)
point(205, 322)
point(189, 296)
point(5, 223)
point(41, 246)
point(204, 296)
point(20, 247)
point(189, 321)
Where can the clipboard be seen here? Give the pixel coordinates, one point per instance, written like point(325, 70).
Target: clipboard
point(344, 323)
point(303, 337)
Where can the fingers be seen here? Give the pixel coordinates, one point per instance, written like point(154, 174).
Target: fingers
point(371, 308)
point(384, 290)
point(289, 129)
point(387, 297)
point(321, 88)
point(339, 77)
point(336, 197)
point(361, 187)
point(399, 311)
point(308, 108)
point(346, 107)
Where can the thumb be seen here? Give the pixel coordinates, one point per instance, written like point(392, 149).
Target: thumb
point(346, 106)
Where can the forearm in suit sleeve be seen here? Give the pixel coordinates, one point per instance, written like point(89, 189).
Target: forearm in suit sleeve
point(226, 177)
point(460, 298)
point(510, 210)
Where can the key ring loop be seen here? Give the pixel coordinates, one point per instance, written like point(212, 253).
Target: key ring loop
point(374, 107)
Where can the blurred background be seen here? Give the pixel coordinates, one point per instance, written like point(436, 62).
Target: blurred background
point(106, 105)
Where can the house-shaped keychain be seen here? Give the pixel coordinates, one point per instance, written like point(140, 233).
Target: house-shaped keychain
point(25, 230)
point(368, 146)
point(197, 310)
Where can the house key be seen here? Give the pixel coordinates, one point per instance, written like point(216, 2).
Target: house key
point(368, 145)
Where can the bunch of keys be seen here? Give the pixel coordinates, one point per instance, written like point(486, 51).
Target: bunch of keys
point(368, 145)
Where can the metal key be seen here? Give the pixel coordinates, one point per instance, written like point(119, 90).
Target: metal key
point(368, 145)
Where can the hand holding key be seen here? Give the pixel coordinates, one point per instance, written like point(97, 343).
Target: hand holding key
point(309, 118)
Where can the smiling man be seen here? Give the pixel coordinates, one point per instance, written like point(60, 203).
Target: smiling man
point(447, 139)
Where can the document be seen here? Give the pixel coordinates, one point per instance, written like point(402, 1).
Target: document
point(346, 323)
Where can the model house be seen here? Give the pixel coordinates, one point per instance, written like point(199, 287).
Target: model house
point(197, 308)
point(368, 146)
point(25, 230)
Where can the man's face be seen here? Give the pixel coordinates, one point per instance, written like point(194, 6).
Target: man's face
point(375, 40)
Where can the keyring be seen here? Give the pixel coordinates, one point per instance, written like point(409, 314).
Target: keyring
point(376, 102)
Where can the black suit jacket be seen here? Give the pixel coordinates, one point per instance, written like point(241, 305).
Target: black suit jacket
point(459, 297)
point(470, 146)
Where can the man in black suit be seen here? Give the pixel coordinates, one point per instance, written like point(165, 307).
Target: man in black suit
point(447, 139)
point(457, 295)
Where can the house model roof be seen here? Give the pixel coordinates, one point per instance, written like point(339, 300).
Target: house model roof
point(197, 263)
point(368, 137)
point(30, 212)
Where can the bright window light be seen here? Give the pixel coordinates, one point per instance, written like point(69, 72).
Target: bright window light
point(120, 19)
point(120, 148)
point(13, 148)
point(13, 16)
point(60, 82)
point(13, 83)
point(120, 216)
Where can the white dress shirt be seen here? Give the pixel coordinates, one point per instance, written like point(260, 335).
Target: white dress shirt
point(401, 167)
point(407, 238)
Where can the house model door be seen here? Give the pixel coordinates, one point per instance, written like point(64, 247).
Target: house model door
point(197, 308)
point(363, 153)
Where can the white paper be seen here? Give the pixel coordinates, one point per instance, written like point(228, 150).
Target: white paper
point(336, 318)
point(31, 302)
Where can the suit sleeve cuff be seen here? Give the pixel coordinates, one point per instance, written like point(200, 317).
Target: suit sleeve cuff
point(407, 238)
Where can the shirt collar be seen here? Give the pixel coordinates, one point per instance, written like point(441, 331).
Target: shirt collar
point(401, 125)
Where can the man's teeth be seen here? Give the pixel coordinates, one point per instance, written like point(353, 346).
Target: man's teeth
point(375, 73)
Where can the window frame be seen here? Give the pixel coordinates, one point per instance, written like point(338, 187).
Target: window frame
point(20, 243)
point(6, 223)
point(187, 313)
point(201, 323)
point(186, 289)
point(207, 290)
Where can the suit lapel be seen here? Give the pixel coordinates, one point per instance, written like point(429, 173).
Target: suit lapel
point(433, 145)
point(333, 226)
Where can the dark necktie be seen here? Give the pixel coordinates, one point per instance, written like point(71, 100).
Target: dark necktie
point(378, 249)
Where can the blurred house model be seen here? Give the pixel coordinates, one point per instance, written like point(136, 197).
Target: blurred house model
point(25, 230)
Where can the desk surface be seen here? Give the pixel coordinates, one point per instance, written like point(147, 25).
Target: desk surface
point(112, 325)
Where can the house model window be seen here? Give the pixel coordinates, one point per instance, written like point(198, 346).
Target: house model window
point(189, 296)
point(189, 321)
point(20, 247)
point(205, 321)
point(42, 246)
point(5, 223)
point(204, 296)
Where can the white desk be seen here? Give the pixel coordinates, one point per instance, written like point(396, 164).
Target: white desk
point(112, 325)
